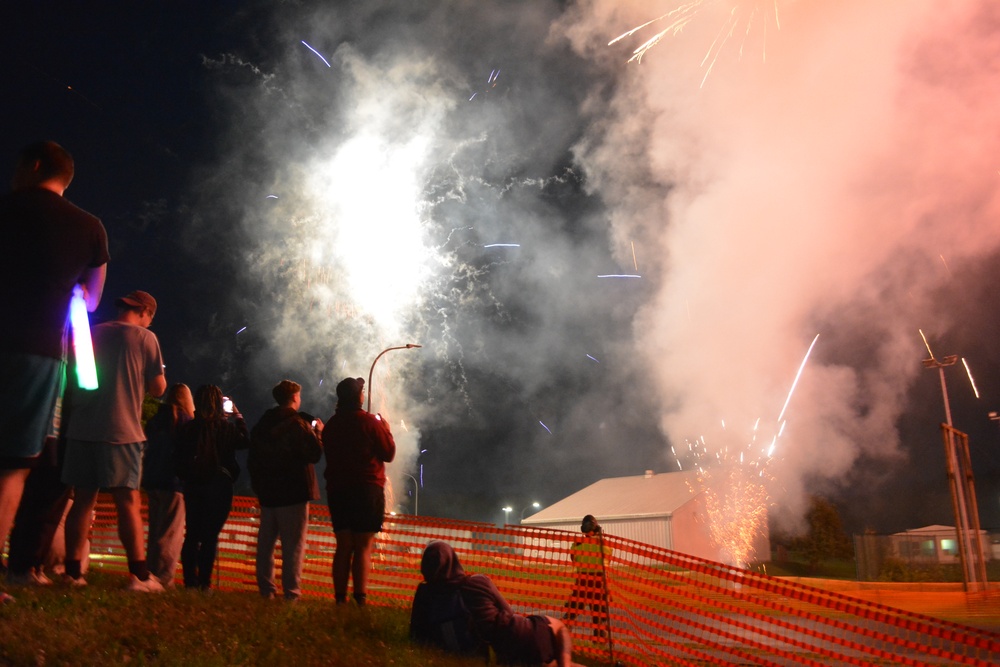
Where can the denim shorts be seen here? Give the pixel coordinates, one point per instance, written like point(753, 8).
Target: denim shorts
point(100, 465)
point(31, 389)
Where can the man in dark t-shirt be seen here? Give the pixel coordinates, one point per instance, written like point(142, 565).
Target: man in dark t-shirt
point(51, 246)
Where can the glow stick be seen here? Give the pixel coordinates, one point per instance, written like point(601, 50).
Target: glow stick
point(83, 346)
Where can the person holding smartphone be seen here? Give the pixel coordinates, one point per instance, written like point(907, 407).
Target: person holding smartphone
point(357, 444)
point(206, 462)
point(284, 447)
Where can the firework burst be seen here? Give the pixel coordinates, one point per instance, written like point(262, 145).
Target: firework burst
point(735, 482)
point(741, 18)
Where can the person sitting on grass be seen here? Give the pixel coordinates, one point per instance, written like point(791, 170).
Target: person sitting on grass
point(463, 613)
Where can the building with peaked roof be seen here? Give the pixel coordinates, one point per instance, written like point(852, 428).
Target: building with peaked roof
point(666, 510)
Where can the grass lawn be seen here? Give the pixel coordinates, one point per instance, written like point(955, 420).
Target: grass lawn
point(103, 624)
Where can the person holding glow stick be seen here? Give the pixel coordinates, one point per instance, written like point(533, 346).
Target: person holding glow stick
point(105, 439)
point(52, 246)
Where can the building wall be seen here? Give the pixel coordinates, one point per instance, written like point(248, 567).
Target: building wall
point(691, 534)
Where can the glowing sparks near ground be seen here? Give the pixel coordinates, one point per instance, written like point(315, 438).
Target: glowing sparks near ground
point(325, 61)
point(797, 376)
point(734, 481)
point(734, 484)
point(968, 372)
point(743, 13)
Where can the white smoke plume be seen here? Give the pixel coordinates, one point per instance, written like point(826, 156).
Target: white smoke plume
point(459, 174)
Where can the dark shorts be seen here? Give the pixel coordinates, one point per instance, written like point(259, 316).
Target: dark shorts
point(31, 388)
point(359, 509)
point(100, 465)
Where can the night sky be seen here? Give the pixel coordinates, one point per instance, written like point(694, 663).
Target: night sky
point(304, 184)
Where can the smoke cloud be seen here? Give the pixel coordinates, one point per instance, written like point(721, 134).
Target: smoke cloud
point(460, 175)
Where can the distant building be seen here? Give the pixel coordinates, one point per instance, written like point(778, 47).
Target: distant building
point(933, 544)
point(667, 510)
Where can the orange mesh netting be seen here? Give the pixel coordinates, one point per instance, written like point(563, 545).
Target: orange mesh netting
point(626, 601)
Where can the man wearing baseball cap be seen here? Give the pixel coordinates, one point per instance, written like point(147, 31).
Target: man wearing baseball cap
point(106, 438)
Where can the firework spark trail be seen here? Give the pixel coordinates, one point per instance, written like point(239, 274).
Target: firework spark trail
point(797, 376)
point(968, 371)
point(735, 484)
point(325, 61)
point(684, 14)
point(926, 344)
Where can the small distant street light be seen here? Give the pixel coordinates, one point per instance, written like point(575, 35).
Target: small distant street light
point(536, 505)
point(416, 494)
point(408, 346)
point(506, 514)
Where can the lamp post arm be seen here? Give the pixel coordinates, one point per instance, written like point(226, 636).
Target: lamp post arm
point(408, 346)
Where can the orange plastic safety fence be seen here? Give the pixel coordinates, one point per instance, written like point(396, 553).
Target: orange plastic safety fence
point(624, 601)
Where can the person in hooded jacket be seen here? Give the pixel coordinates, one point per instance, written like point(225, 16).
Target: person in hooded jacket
point(357, 445)
point(481, 617)
point(283, 448)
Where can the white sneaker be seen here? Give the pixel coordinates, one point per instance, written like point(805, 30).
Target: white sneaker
point(74, 582)
point(151, 585)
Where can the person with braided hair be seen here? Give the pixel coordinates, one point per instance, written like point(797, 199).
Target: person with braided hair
point(206, 462)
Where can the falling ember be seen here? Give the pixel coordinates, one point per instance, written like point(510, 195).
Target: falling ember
point(545, 427)
point(619, 275)
point(325, 61)
point(797, 376)
point(241, 331)
point(635, 262)
point(593, 359)
point(968, 372)
point(946, 267)
point(503, 245)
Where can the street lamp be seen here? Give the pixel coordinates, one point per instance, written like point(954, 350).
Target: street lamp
point(416, 494)
point(536, 505)
point(408, 346)
point(506, 514)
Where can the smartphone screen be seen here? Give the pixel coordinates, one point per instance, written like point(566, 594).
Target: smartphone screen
point(227, 404)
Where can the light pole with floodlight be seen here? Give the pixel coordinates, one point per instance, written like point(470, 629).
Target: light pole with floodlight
point(408, 346)
point(536, 505)
point(960, 481)
point(507, 509)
